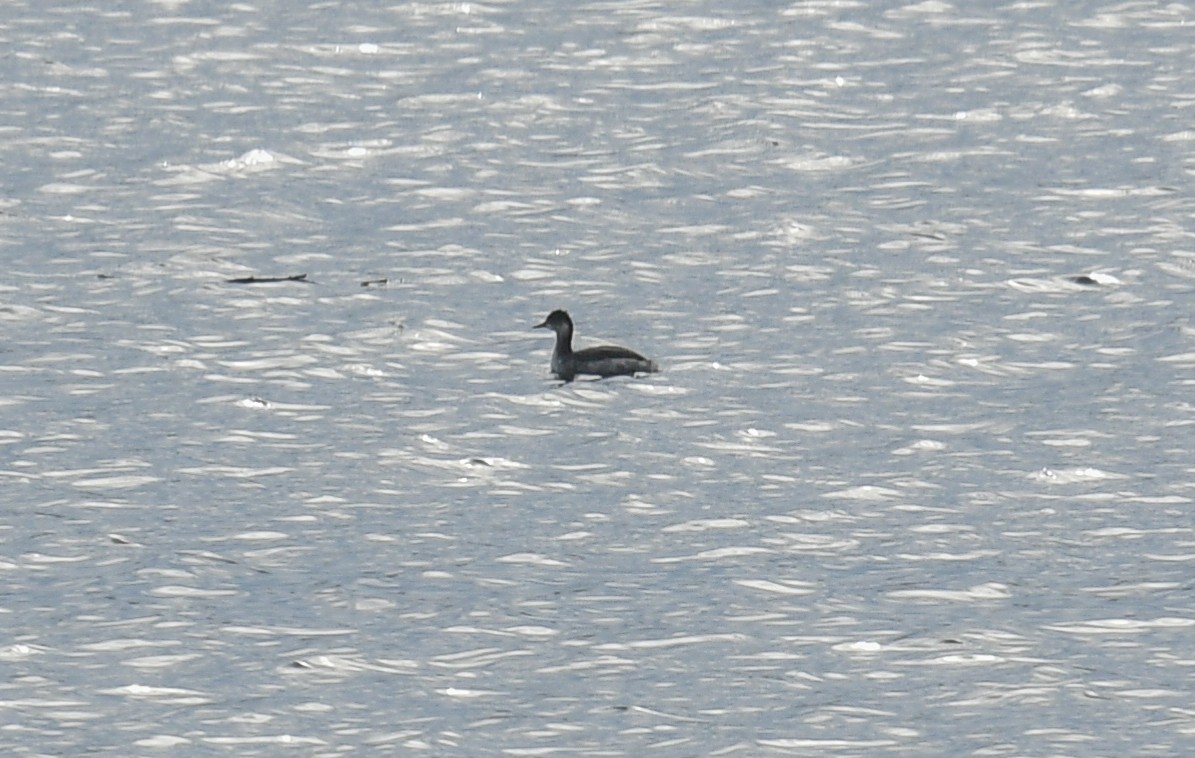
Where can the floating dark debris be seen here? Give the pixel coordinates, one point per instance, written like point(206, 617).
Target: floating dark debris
point(375, 282)
point(268, 279)
point(935, 236)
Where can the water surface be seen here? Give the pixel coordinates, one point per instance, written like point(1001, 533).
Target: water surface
point(914, 479)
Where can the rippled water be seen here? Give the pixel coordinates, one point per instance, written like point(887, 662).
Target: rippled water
point(914, 480)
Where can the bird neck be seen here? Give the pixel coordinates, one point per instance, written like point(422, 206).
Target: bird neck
point(564, 341)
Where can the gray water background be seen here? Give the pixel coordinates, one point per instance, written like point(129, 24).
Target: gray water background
point(915, 478)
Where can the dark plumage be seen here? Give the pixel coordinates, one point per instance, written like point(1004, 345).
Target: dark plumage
point(603, 361)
